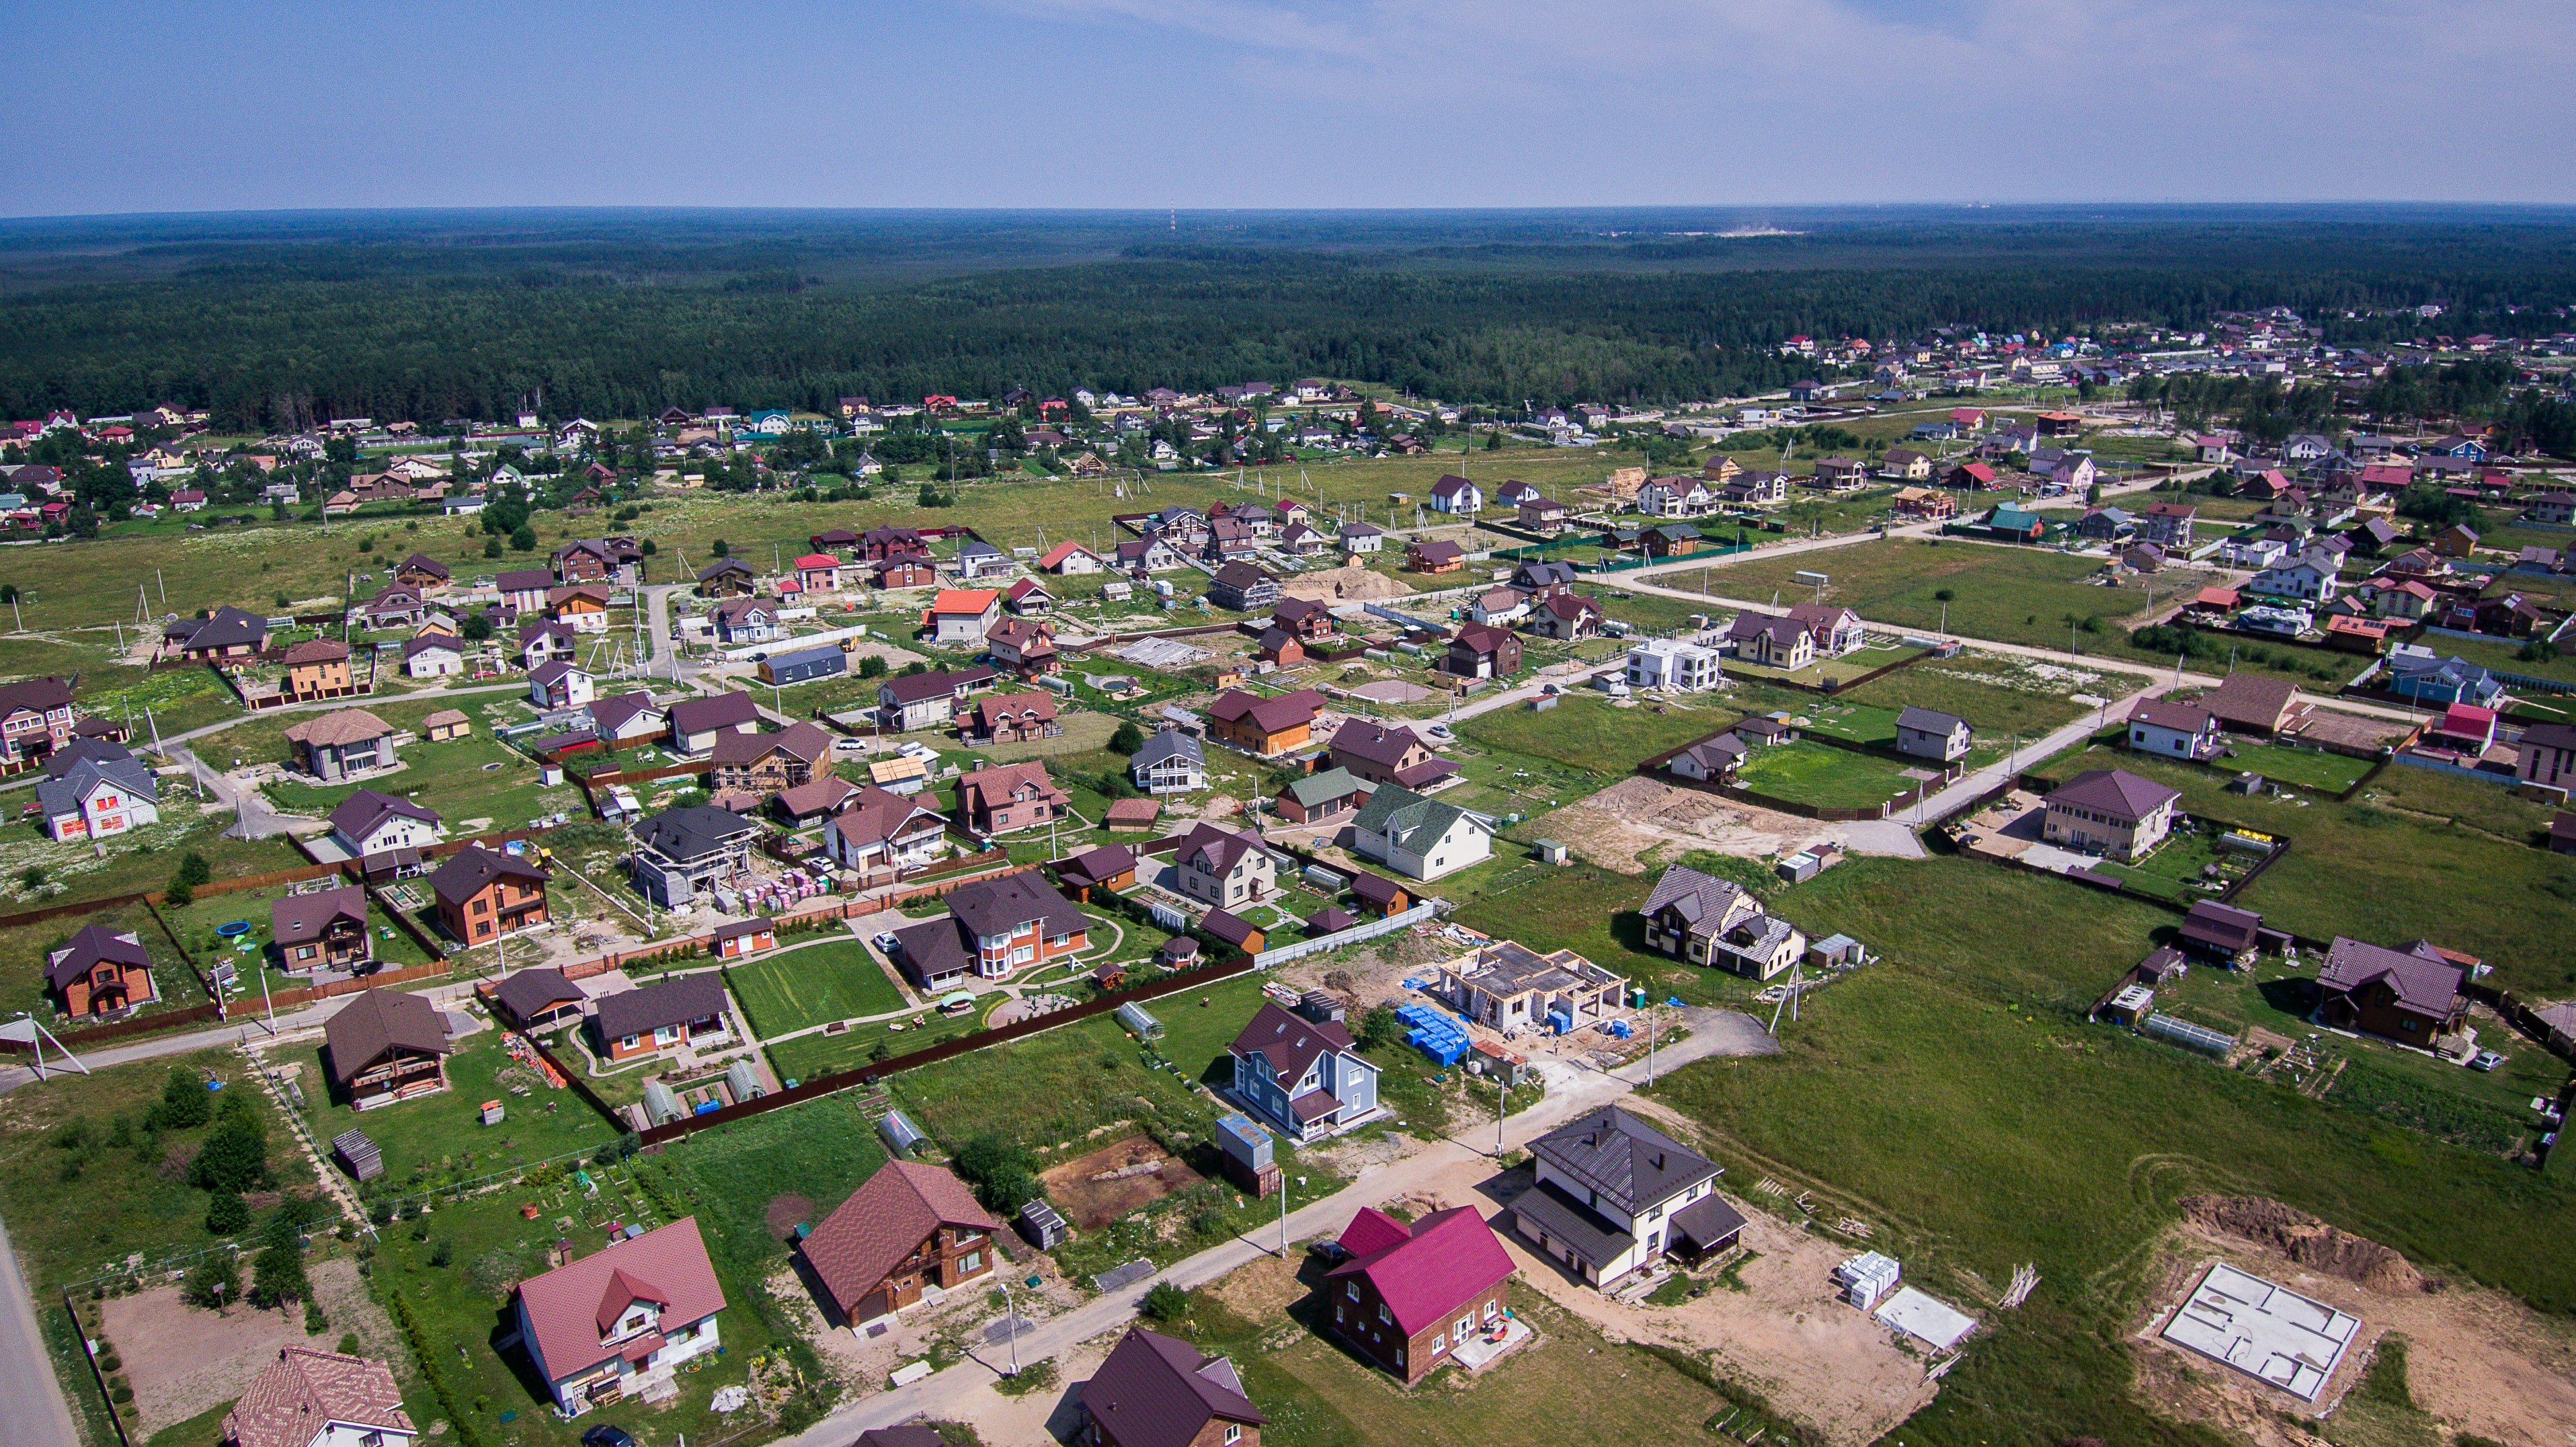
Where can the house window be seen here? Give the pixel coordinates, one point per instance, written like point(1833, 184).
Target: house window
point(971, 1262)
point(1382, 1314)
point(1439, 1343)
point(1233, 1434)
point(1353, 1289)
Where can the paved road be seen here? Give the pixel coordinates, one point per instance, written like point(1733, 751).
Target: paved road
point(945, 1395)
point(32, 1412)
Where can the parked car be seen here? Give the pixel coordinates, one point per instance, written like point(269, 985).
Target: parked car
point(605, 1435)
point(2486, 1060)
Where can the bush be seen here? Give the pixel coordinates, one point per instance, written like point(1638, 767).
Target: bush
point(235, 1155)
point(1381, 1027)
point(185, 1103)
point(1004, 1175)
point(872, 666)
point(1166, 1303)
point(227, 1214)
point(178, 895)
point(1127, 739)
point(349, 1345)
point(441, 1253)
point(722, 549)
point(194, 871)
point(315, 1323)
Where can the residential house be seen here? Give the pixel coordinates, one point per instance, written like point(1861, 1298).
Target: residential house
point(1506, 986)
point(1325, 795)
point(764, 764)
point(1611, 1194)
point(432, 655)
point(1712, 760)
point(881, 833)
point(1267, 727)
point(2111, 812)
point(993, 927)
point(2312, 576)
point(1358, 539)
point(1070, 559)
point(2250, 703)
point(307, 1397)
point(1757, 487)
point(697, 722)
point(1676, 497)
point(370, 825)
point(1305, 619)
point(559, 685)
point(681, 853)
point(2412, 996)
point(2167, 524)
point(904, 571)
point(421, 573)
point(101, 973)
point(618, 1323)
point(1442, 556)
point(628, 718)
point(1566, 616)
point(387, 1046)
point(1171, 762)
point(1500, 606)
point(1841, 474)
point(727, 578)
point(543, 641)
point(818, 573)
point(2456, 541)
point(1029, 598)
point(1928, 733)
point(2547, 755)
point(909, 1232)
point(2418, 673)
point(1418, 837)
point(1378, 753)
point(95, 789)
point(523, 591)
point(1543, 515)
point(1481, 650)
point(1970, 476)
point(1224, 867)
point(36, 718)
point(804, 665)
point(2020, 524)
point(1457, 496)
point(962, 617)
point(1905, 464)
point(1306, 1078)
point(1007, 718)
point(1108, 868)
point(1772, 642)
point(682, 1012)
point(1671, 540)
point(342, 744)
point(1404, 1294)
point(2106, 524)
point(1710, 921)
point(2174, 730)
point(1674, 666)
point(977, 560)
point(326, 930)
point(911, 701)
point(744, 620)
point(1004, 798)
point(1138, 557)
point(1837, 630)
point(227, 636)
point(482, 893)
point(1160, 1391)
point(583, 607)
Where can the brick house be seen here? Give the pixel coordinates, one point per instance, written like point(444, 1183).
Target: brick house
point(318, 668)
point(482, 894)
point(993, 927)
point(2111, 812)
point(1005, 797)
point(676, 1013)
point(341, 744)
point(1387, 754)
point(907, 1232)
point(1405, 1295)
point(100, 973)
point(35, 719)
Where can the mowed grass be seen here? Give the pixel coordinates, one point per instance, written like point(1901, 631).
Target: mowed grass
point(2505, 656)
point(2286, 763)
point(813, 985)
point(1806, 772)
point(1953, 1097)
point(2008, 594)
point(434, 1140)
point(475, 777)
point(1049, 1088)
point(1593, 733)
point(2414, 855)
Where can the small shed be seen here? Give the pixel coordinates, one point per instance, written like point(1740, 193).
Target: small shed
point(1244, 1152)
point(1134, 1017)
point(2131, 1005)
point(1044, 1228)
point(1322, 1006)
point(1181, 951)
point(1549, 851)
point(901, 1135)
point(1837, 950)
point(357, 1155)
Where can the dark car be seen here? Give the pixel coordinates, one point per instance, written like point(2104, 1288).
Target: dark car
point(604, 1435)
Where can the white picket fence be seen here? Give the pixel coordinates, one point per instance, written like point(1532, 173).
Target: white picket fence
point(1322, 944)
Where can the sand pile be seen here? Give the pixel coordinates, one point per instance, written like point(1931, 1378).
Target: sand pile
point(1350, 584)
point(2308, 1241)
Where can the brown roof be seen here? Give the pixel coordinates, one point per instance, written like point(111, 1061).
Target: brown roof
point(800, 740)
point(1160, 1391)
point(466, 872)
point(1288, 1042)
point(339, 727)
point(820, 795)
point(305, 1390)
point(882, 1222)
point(998, 783)
point(1270, 715)
point(877, 815)
point(565, 1306)
point(317, 650)
point(2425, 985)
point(301, 917)
point(445, 717)
point(2252, 700)
point(378, 1021)
point(2116, 792)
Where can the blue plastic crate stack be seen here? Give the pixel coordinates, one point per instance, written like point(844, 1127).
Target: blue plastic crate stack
point(1433, 1033)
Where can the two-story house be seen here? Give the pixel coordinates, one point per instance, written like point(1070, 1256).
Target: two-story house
point(94, 789)
point(682, 852)
point(370, 824)
point(1611, 1193)
point(1008, 797)
point(1160, 1391)
point(100, 973)
point(764, 764)
point(326, 930)
point(1225, 867)
point(1305, 1077)
point(318, 668)
point(482, 894)
point(386, 1046)
point(35, 719)
point(909, 1233)
point(696, 722)
point(342, 744)
point(1710, 921)
point(1418, 837)
point(881, 834)
point(618, 1323)
point(306, 1397)
point(928, 700)
point(1405, 1295)
point(2174, 730)
point(2110, 812)
point(993, 928)
point(1264, 726)
point(1171, 762)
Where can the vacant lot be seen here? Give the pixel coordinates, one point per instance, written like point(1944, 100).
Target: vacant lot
point(1999, 697)
point(1596, 734)
point(813, 985)
point(1806, 772)
point(2286, 763)
point(2012, 595)
point(435, 1139)
point(1953, 1098)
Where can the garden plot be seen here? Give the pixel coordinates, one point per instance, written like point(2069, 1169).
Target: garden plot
point(1121, 1177)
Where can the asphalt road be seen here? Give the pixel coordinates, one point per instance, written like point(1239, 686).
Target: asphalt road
point(32, 1412)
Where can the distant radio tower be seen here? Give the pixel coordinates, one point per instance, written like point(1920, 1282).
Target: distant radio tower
point(1176, 218)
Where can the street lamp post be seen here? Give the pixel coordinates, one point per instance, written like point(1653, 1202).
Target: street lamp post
point(1011, 1321)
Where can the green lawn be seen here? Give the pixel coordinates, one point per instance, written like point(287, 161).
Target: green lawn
point(2012, 595)
point(1595, 734)
point(2503, 655)
point(1805, 772)
point(1954, 1097)
point(2178, 867)
point(435, 1140)
point(2286, 763)
point(812, 985)
point(475, 777)
point(2415, 854)
point(1998, 696)
point(196, 925)
point(1825, 670)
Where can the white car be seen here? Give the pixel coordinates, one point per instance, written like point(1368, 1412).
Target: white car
point(884, 943)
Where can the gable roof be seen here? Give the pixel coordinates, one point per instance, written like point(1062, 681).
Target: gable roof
point(531, 992)
point(1632, 1164)
point(2165, 713)
point(723, 711)
point(874, 815)
point(1369, 741)
point(1424, 1272)
point(2421, 982)
point(564, 1307)
point(1168, 744)
point(2113, 791)
point(467, 871)
point(1696, 896)
point(92, 945)
point(1324, 786)
point(965, 602)
point(647, 1008)
point(884, 1221)
point(299, 918)
point(378, 1021)
point(1270, 715)
point(1404, 816)
point(801, 740)
point(1929, 720)
point(1160, 1391)
point(304, 1391)
point(366, 811)
point(2251, 698)
point(693, 831)
point(1289, 1042)
point(1092, 866)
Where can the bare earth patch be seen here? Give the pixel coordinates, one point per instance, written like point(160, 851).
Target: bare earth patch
point(2480, 1361)
point(1351, 584)
point(1638, 823)
point(1123, 1176)
point(183, 1360)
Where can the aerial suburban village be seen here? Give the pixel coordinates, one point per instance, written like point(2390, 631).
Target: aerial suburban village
point(1300, 909)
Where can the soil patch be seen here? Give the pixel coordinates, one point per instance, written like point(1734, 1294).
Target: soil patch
point(1638, 823)
point(1121, 1177)
point(1263, 1290)
point(183, 1360)
point(2308, 1241)
point(786, 1213)
point(1354, 583)
point(2481, 1362)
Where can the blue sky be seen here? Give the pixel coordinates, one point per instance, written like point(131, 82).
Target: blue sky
point(238, 104)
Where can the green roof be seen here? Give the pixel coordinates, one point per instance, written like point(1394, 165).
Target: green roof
point(1404, 816)
point(1314, 789)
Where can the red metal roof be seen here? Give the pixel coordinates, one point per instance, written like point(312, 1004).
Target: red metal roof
point(565, 1306)
point(1425, 1272)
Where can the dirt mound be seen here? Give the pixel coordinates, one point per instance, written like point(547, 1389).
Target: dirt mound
point(2308, 1241)
point(1352, 584)
point(786, 1213)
